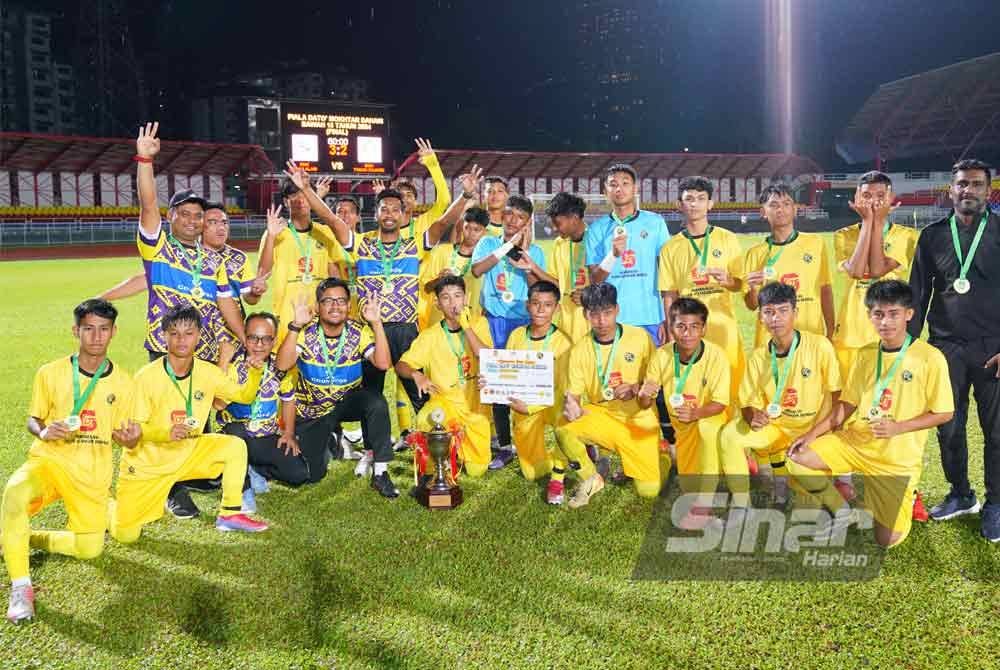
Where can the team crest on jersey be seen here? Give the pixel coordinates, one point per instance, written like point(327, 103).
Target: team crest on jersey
point(111, 399)
point(907, 376)
point(198, 395)
point(806, 372)
point(807, 258)
point(644, 234)
point(717, 253)
point(629, 356)
point(887, 246)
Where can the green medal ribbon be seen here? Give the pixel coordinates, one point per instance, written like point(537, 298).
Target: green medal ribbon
point(196, 268)
point(545, 341)
point(413, 223)
point(305, 250)
point(604, 372)
point(387, 259)
point(508, 276)
point(453, 265)
point(882, 382)
point(620, 221)
point(326, 350)
point(255, 405)
point(188, 405)
point(702, 254)
point(771, 260)
point(967, 263)
point(681, 379)
point(80, 400)
point(575, 263)
point(458, 351)
point(779, 380)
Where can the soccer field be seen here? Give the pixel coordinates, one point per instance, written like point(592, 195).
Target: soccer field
point(346, 579)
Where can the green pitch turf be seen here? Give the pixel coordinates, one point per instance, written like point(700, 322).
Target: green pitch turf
point(345, 579)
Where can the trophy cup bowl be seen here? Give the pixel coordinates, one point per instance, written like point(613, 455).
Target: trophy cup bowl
point(442, 491)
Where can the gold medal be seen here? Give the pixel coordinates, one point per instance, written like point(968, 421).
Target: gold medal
point(197, 292)
point(191, 422)
point(608, 393)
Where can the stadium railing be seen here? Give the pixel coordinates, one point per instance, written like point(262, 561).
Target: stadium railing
point(43, 233)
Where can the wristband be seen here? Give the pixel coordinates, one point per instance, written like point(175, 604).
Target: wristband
point(292, 328)
point(141, 159)
point(608, 264)
point(502, 251)
point(468, 195)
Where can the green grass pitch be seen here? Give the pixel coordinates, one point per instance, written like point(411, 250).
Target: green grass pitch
point(347, 580)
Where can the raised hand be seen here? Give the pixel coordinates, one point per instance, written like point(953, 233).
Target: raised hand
point(302, 311)
point(378, 186)
point(275, 222)
point(323, 186)
point(523, 263)
point(516, 238)
point(298, 176)
point(128, 434)
point(755, 278)
point(470, 180)
point(861, 207)
point(424, 149)
point(883, 208)
point(372, 309)
point(259, 285)
point(619, 244)
point(147, 144)
point(686, 414)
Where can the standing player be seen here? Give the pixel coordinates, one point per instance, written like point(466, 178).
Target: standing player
point(179, 270)
point(790, 257)
point(790, 382)
point(695, 374)
point(417, 225)
point(507, 269)
point(496, 194)
point(608, 368)
point(348, 208)
point(79, 404)
point(569, 261)
point(704, 262)
point(956, 271)
point(529, 420)
point(897, 390)
point(173, 399)
point(455, 259)
point(443, 362)
point(328, 388)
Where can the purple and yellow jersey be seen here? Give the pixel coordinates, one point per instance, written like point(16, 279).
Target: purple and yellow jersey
point(319, 383)
point(274, 385)
point(397, 281)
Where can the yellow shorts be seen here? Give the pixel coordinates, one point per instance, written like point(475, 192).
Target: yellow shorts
point(888, 496)
point(475, 447)
point(768, 441)
point(141, 498)
point(529, 436)
point(638, 445)
point(86, 506)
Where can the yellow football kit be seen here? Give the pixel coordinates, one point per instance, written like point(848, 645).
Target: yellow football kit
point(569, 266)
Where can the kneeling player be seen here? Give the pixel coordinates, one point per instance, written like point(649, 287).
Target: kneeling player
point(173, 399)
point(694, 374)
point(896, 391)
point(530, 421)
point(789, 383)
point(608, 367)
point(79, 404)
point(444, 363)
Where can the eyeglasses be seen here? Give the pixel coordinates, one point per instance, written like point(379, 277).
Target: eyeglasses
point(260, 339)
point(334, 301)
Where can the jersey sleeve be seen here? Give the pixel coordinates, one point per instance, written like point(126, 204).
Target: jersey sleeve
point(486, 246)
point(578, 366)
point(222, 286)
point(538, 256)
point(831, 367)
point(718, 380)
point(442, 196)
point(245, 276)
point(750, 391)
point(854, 385)
point(824, 275)
point(366, 342)
point(481, 328)
point(665, 280)
point(597, 243)
point(125, 399)
point(229, 389)
point(40, 397)
point(418, 356)
point(940, 399)
point(657, 366)
point(841, 249)
point(148, 245)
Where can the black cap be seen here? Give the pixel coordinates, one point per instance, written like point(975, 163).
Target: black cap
point(179, 198)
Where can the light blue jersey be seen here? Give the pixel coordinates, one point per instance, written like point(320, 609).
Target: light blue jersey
point(495, 282)
point(634, 273)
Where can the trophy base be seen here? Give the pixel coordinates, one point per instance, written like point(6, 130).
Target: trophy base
point(440, 499)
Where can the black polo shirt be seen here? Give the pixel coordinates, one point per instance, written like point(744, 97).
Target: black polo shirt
point(952, 315)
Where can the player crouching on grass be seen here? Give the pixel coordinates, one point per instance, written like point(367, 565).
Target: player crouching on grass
point(529, 421)
point(608, 367)
point(896, 391)
point(694, 374)
point(79, 404)
point(173, 399)
point(444, 363)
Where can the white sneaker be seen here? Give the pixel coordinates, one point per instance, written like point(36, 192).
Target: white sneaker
point(364, 466)
point(22, 604)
point(836, 524)
point(351, 442)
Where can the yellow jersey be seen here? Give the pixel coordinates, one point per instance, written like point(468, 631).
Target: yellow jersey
point(445, 255)
point(418, 225)
point(628, 366)
point(854, 329)
point(559, 344)
point(569, 267)
point(708, 380)
point(813, 375)
point(443, 356)
point(801, 263)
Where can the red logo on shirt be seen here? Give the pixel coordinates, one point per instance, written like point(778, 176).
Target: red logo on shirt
point(615, 379)
point(302, 265)
point(699, 279)
point(792, 279)
point(581, 278)
point(885, 402)
point(790, 398)
point(466, 366)
point(628, 259)
point(88, 420)
point(501, 282)
point(178, 416)
point(690, 401)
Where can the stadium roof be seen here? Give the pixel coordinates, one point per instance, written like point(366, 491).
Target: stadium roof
point(654, 166)
point(62, 153)
point(945, 112)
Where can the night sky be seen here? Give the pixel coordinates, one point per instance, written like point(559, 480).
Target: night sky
point(501, 74)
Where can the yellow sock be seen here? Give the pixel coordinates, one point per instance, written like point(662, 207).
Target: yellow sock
point(68, 543)
point(575, 451)
point(816, 483)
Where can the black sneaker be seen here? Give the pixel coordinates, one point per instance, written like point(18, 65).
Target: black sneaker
point(179, 504)
point(955, 505)
point(400, 444)
point(422, 484)
point(991, 522)
point(384, 486)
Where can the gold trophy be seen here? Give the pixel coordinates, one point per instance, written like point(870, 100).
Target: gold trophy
point(442, 491)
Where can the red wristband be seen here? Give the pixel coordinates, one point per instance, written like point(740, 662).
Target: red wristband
point(141, 159)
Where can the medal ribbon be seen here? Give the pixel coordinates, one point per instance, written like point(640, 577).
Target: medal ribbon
point(681, 379)
point(545, 342)
point(454, 265)
point(771, 260)
point(604, 374)
point(967, 263)
point(326, 350)
point(80, 400)
point(779, 380)
point(173, 377)
point(508, 275)
point(702, 253)
point(305, 250)
point(255, 405)
point(387, 259)
point(199, 258)
point(882, 382)
point(458, 351)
